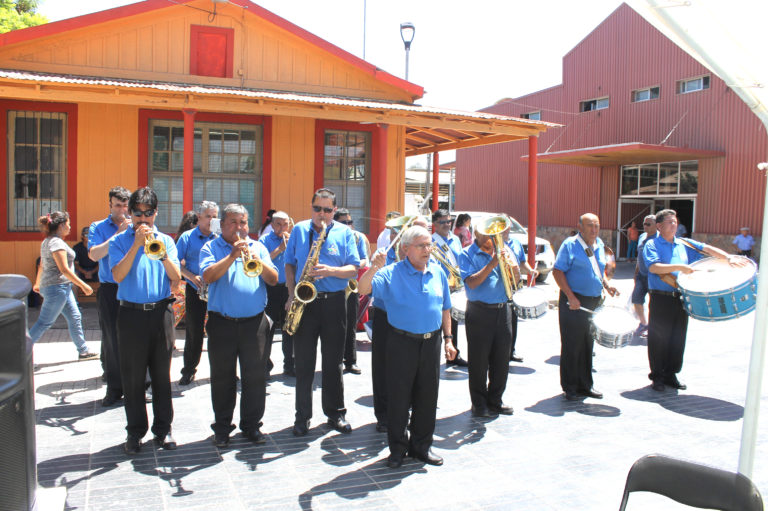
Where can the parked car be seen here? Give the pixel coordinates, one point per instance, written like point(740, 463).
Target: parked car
point(545, 256)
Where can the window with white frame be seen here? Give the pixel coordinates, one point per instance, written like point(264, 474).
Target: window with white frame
point(594, 104)
point(670, 178)
point(692, 85)
point(646, 94)
point(37, 166)
point(346, 171)
point(227, 166)
point(534, 116)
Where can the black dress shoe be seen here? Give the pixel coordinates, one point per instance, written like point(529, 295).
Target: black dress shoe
point(301, 428)
point(110, 400)
point(458, 362)
point(501, 409)
point(255, 436)
point(394, 461)
point(572, 396)
point(480, 411)
point(352, 368)
point(381, 427)
point(428, 458)
point(514, 358)
point(658, 386)
point(186, 379)
point(592, 393)
point(340, 424)
point(221, 440)
point(167, 442)
point(676, 384)
point(132, 445)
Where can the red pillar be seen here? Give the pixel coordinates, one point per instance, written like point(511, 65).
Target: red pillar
point(378, 182)
point(435, 179)
point(189, 155)
point(532, 201)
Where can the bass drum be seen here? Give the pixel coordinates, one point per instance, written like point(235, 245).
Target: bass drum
point(717, 291)
point(458, 305)
point(530, 303)
point(613, 326)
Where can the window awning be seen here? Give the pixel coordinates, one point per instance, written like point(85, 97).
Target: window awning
point(631, 153)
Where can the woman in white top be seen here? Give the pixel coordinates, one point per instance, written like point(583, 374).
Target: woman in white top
point(55, 277)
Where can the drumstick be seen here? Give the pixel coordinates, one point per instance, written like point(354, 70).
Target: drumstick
point(582, 308)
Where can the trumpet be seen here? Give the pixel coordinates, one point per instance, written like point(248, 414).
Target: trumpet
point(252, 265)
point(510, 270)
point(153, 247)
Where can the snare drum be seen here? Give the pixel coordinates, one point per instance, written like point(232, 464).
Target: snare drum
point(458, 305)
point(717, 291)
point(530, 303)
point(613, 326)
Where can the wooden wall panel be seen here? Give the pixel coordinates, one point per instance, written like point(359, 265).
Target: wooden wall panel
point(395, 169)
point(293, 157)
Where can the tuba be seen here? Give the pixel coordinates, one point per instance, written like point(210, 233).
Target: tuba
point(252, 266)
point(454, 278)
point(153, 247)
point(305, 291)
point(510, 270)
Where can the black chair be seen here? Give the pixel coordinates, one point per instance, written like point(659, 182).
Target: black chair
point(692, 484)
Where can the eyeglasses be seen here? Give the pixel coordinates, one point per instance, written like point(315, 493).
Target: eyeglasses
point(347, 222)
point(318, 209)
point(443, 222)
point(424, 246)
point(139, 213)
point(648, 224)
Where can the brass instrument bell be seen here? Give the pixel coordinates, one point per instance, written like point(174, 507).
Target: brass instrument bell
point(252, 265)
point(153, 247)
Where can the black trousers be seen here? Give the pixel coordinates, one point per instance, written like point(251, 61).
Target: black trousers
point(576, 344)
point(489, 340)
point(379, 334)
point(195, 330)
point(325, 318)
point(413, 377)
point(145, 339)
point(350, 340)
point(277, 295)
point(107, 303)
point(667, 328)
point(231, 341)
point(514, 330)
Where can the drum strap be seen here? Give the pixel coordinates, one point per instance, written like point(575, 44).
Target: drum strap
point(592, 258)
point(685, 242)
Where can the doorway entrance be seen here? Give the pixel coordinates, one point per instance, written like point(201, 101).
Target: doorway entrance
point(635, 210)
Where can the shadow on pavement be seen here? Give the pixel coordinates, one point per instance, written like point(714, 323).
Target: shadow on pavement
point(366, 400)
point(553, 360)
point(699, 407)
point(558, 406)
point(517, 369)
point(363, 445)
point(459, 430)
point(66, 415)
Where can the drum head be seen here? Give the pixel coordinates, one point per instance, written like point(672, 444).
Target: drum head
point(459, 300)
point(714, 274)
point(614, 320)
point(529, 297)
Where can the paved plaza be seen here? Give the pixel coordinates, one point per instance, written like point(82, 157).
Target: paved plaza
point(551, 454)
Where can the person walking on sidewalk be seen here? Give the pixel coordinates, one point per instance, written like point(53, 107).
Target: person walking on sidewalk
point(55, 277)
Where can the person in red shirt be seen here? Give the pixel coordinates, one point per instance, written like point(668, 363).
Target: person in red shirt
point(633, 234)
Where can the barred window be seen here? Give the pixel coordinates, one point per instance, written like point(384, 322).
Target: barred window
point(346, 171)
point(37, 163)
point(227, 165)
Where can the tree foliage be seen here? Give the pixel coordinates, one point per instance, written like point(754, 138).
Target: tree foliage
point(19, 14)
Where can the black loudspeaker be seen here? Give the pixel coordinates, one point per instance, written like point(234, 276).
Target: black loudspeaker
point(18, 460)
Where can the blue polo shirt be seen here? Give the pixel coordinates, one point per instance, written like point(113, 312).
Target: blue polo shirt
point(235, 294)
point(659, 250)
point(391, 259)
point(188, 247)
point(491, 290)
point(642, 269)
point(98, 233)
point(147, 281)
point(415, 300)
point(572, 260)
point(454, 244)
point(362, 250)
point(339, 249)
point(272, 241)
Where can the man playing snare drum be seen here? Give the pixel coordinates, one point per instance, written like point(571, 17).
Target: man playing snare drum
point(665, 256)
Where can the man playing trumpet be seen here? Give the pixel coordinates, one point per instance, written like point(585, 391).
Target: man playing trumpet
point(237, 328)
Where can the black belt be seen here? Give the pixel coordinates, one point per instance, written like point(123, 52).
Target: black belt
point(422, 337)
point(146, 306)
point(675, 294)
point(489, 305)
point(236, 320)
point(107, 284)
point(324, 295)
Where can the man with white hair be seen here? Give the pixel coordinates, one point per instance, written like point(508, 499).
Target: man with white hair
point(744, 242)
point(418, 303)
point(188, 246)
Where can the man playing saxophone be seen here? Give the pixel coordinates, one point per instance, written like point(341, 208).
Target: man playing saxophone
point(325, 316)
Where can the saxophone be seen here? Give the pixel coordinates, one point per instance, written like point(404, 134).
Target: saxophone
point(305, 291)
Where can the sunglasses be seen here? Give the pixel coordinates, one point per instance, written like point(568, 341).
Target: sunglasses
point(138, 213)
point(347, 222)
point(443, 222)
point(318, 209)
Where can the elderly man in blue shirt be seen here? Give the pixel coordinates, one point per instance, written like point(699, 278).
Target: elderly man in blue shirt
point(237, 326)
point(188, 246)
point(324, 317)
point(580, 273)
point(418, 302)
point(666, 256)
point(145, 330)
point(744, 242)
point(99, 236)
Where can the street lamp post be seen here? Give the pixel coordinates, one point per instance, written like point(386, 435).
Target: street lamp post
point(407, 31)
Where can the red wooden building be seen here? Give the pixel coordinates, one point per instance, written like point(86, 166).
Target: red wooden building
point(645, 127)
